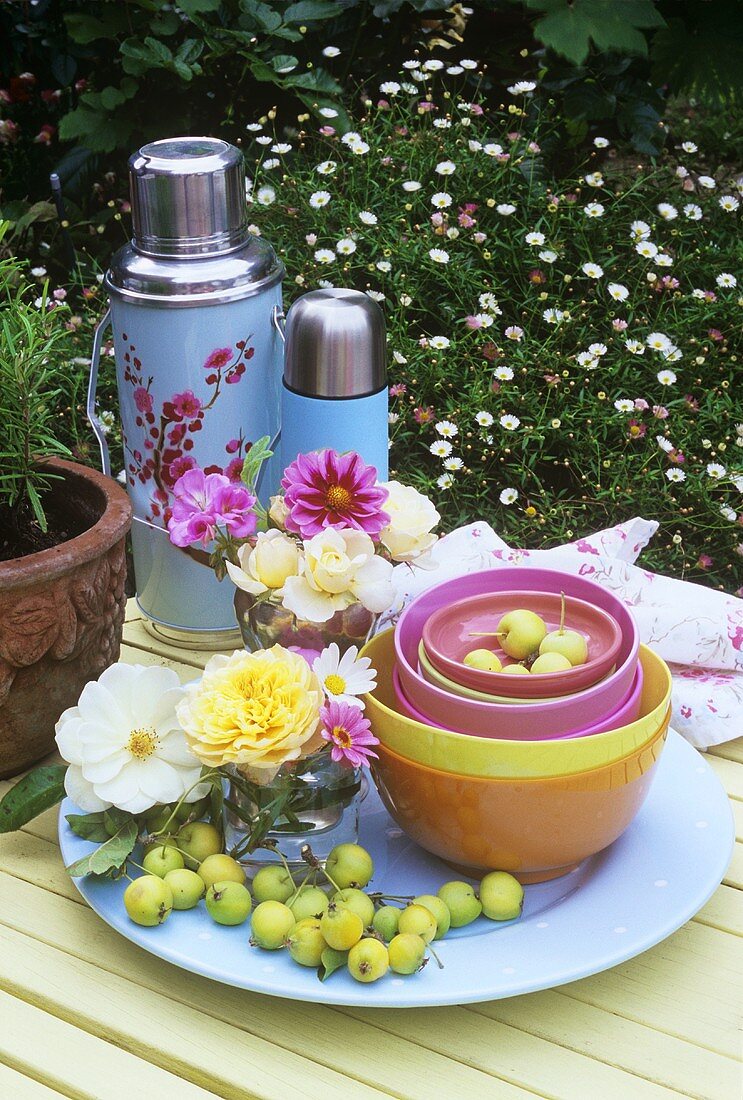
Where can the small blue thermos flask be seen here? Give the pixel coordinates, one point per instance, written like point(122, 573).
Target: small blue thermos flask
point(335, 393)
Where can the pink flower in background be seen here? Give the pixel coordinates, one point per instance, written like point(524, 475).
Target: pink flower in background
point(345, 727)
point(423, 415)
point(660, 412)
point(327, 489)
point(234, 507)
point(143, 399)
point(398, 389)
point(186, 404)
point(618, 324)
point(641, 404)
point(219, 358)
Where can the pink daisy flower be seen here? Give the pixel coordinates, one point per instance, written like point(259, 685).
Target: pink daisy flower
point(349, 733)
point(327, 489)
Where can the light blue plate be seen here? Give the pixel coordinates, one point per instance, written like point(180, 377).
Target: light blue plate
point(614, 906)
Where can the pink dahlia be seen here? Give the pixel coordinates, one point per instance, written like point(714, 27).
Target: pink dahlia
point(345, 727)
point(327, 489)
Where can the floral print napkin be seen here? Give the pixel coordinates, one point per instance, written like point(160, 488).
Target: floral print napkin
point(697, 630)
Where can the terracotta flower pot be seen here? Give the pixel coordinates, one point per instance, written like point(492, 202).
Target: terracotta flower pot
point(61, 615)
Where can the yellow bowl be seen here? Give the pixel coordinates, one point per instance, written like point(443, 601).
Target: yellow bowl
point(484, 757)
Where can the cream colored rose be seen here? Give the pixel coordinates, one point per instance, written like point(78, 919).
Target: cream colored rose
point(278, 511)
point(266, 565)
point(408, 535)
point(340, 568)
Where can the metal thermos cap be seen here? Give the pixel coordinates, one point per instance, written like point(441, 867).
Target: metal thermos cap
point(335, 345)
point(188, 197)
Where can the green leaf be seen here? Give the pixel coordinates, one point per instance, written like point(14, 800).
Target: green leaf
point(36, 792)
point(330, 961)
point(265, 16)
point(307, 10)
point(284, 63)
point(88, 826)
point(196, 7)
point(569, 26)
point(112, 97)
point(115, 852)
point(254, 459)
point(84, 29)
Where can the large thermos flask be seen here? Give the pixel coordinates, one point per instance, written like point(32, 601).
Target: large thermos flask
point(335, 378)
point(194, 299)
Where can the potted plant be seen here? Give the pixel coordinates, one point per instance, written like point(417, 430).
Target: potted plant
point(62, 531)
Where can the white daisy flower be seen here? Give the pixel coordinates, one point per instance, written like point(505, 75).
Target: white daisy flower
point(468, 63)
point(445, 168)
point(489, 303)
point(439, 255)
point(726, 279)
point(624, 405)
point(375, 295)
point(593, 210)
point(507, 496)
point(514, 332)
point(447, 429)
point(689, 146)
point(331, 51)
point(442, 123)
point(367, 218)
point(505, 208)
point(399, 357)
point(666, 377)
point(534, 238)
point(663, 260)
point(474, 146)
point(634, 347)
point(324, 255)
point(707, 183)
point(597, 349)
point(503, 374)
point(38, 272)
point(593, 271)
point(351, 137)
point(492, 149)
point(433, 65)
point(728, 513)
point(667, 211)
point(716, 470)
point(264, 139)
point(281, 147)
point(454, 70)
point(548, 256)
point(440, 199)
point(441, 448)
point(410, 64)
point(674, 474)
point(439, 343)
point(639, 231)
point(693, 212)
point(346, 246)
point(618, 292)
point(664, 444)
point(484, 419)
point(344, 678)
point(509, 422)
point(411, 185)
point(359, 148)
point(484, 320)
point(698, 293)
point(272, 162)
point(601, 142)
point(445, 481)
point(328, 112)
point(318, 199)
point(521, 87)
point(671, 354)
point(265, 196)
point(384, 266)
point(729, 203)
point(390, 87)
point(646, 249)
point(326, 167)
point(594, 179)
point(586, 360)
point(409, 88)
point(254, 127)
point(658, 341)
point(553, 316)
point(453, 464)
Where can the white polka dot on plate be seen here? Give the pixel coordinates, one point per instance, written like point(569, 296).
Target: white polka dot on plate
point(509, 970)
point(543, 924)
point(620, 929)
point(205, 935)
point(701, 824)
point(661, 882)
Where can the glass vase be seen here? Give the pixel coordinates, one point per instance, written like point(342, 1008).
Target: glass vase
point(311, 801)
point(264, 624)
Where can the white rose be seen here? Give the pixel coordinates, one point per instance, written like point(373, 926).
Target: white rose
point(266, 565)
point(408, 535)
point(278, 512)
point(340, 567)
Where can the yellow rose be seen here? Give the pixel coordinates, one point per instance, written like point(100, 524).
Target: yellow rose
point(256, 710)
point(339, 568)
point(266, 565)
point(408, 535)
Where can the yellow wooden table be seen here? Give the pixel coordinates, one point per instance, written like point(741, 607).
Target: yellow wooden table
point(85, 1013)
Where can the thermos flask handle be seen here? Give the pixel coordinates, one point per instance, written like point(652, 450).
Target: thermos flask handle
point(278, 320)
point(95, 423)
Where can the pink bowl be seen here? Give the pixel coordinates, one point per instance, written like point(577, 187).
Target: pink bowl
point(447, 638)
point(568, 715)
point(528, 729)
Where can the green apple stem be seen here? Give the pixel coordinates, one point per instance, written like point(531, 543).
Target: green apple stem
point(487, 633)
point(561, 629)
point(436, 957)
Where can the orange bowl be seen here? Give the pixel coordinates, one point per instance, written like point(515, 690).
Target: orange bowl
point(537, 829)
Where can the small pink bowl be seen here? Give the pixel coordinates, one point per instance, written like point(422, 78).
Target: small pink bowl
point(449, 635)
point(566, 715)
point(527, 724)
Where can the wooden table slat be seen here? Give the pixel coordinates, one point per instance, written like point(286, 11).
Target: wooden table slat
point(17, 1086)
